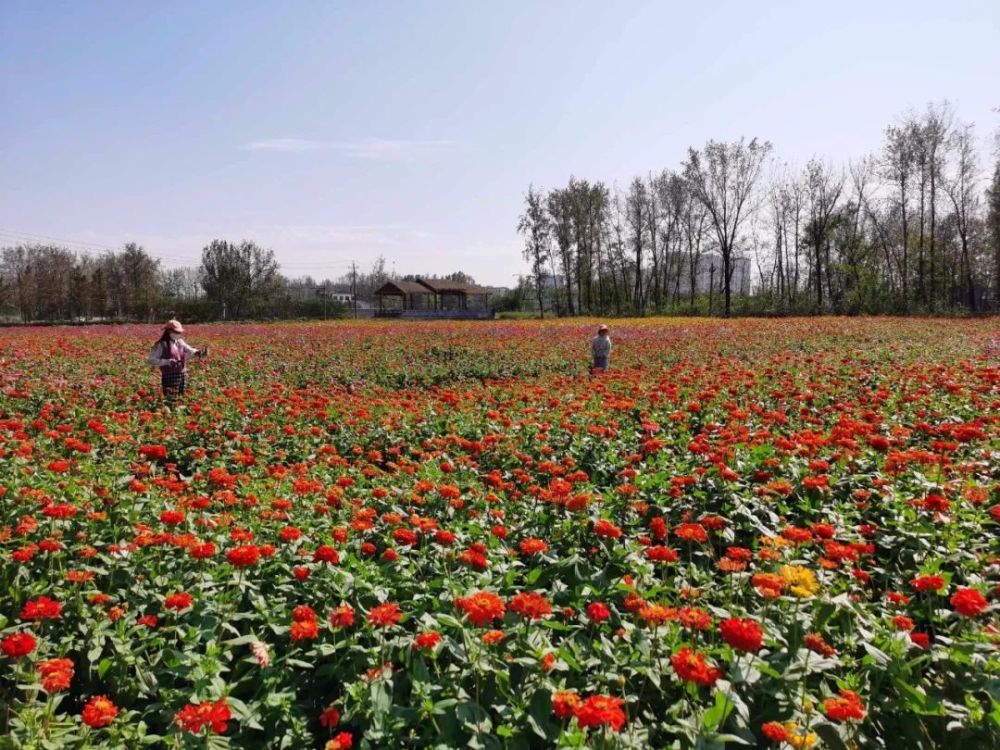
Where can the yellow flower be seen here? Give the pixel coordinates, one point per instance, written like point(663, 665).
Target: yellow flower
point(801, 581)
point(800, 741)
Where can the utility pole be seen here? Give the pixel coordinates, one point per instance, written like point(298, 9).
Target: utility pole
point(354, 288)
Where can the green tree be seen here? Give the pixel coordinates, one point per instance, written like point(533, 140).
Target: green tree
point(238, 276)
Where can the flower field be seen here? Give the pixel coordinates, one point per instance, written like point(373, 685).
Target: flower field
point(399, 535)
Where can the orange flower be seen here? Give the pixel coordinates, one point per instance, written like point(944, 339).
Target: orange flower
point(565, 704)
point(601, 710)
point(56, 674)
point(530, 605)
point(385, 615)
point(481, 607)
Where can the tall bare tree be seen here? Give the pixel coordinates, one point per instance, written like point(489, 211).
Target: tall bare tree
point(536, 227)
point(963, 190)
point(723, 177)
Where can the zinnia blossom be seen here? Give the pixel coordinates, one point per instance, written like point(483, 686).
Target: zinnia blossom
point(99, 712)
point(968, 602)
point(55, 674)
point(343, 741)
point(384, 615)
point(342, 616)
point(601, 710)
point(844, 707)
point(565, 704)
point(530, 605)
point(598, 612)
point(211, 716)
point(304, 630)
point(800, 581)
point(691, 667)
point(17, 645)
point(178, 601)
point(742, 634)
point(774, 731)
point(928, 583)
point(482, 607)
point(691, 532)
point(426, 641)
point(42, 608)
point(243, 556)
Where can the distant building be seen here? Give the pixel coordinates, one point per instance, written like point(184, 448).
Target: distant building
point(432, 298)
point(710, 273)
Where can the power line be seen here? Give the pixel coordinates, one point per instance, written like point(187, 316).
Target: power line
point(80, 246)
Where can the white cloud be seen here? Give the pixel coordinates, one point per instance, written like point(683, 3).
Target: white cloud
point(375, 149)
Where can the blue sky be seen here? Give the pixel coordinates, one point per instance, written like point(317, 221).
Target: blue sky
point(337, 131)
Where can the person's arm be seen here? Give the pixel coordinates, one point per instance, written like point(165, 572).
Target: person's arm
point(154, 356)
point(187, 348)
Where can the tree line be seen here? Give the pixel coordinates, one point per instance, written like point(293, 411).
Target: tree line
point(235, 280)
point(913, 228)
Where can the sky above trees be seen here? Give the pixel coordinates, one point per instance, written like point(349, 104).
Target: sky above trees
point(334, 132)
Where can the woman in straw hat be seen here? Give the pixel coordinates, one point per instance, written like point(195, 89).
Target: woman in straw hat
point(170, 354)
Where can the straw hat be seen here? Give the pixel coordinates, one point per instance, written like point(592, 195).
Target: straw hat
point(602, 327)
point(174, 326)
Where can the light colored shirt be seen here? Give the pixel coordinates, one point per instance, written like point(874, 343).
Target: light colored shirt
point(601, 346)
point(180, 346)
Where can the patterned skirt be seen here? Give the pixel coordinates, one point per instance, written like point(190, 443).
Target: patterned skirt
point(174, 383)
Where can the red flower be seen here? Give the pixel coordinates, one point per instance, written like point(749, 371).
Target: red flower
point(845, 707)
point(482, 607)
point(384, 615)
point(213, 717)
point(56, 674)
point(304, 630)
point(426, 641)
point(17, 645)
point(243, 556)
point(691, 667)
point(607, 529)
point(601, 710)
point(42, 608)
point(598, 612)
point(694, 618)
point(330, 717)
point(902, 622)
point(968, 602)
point(153, 451)
point(774, 731)
point(326, 553)
point(532, 546)
point(742, 634)
point(661, 554)
point(814, 642)
point(303, 613)
point(343, 741)
point(203, 551)
point(565, 704)
point(691, 532)
point(928, 583)
point(172, 517)
point(922, 640)
point(342, 616)
point(178, 601)
point(530, 605)
point(99, 712)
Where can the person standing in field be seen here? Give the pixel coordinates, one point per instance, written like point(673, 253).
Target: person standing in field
point(170, 354)
point(600, 348)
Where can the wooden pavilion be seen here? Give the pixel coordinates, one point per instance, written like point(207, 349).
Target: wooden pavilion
point(431, 298)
